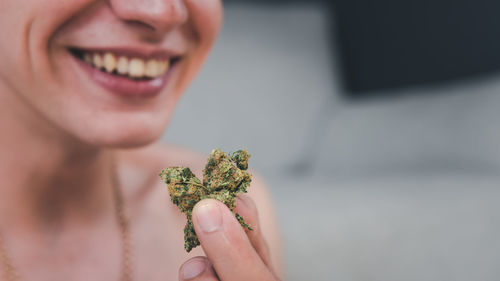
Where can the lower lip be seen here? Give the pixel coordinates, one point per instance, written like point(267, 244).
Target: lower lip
point(125, 87)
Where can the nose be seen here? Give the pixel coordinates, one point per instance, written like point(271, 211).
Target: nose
point(158, 15)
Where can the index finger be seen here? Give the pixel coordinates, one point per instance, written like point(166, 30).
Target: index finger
point(245, 206)
point(226, 243)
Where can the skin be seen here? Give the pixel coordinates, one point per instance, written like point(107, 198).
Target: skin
point(61, 134)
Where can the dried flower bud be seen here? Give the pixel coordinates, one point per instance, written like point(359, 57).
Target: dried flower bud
point(224, 177)
point(241, 157)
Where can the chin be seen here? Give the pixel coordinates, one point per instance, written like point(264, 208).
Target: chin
point(123, 135)
point(130, 142)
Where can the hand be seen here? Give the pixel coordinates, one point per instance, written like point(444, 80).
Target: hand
point(232, 253)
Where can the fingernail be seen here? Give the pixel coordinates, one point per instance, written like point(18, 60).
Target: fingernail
point(209, 216)
point(193, 268)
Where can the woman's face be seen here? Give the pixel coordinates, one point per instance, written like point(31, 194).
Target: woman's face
point(108, 72)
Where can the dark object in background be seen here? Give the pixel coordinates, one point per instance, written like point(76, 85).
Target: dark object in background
point(276, 1)
point(384, 44)
point(395, 43)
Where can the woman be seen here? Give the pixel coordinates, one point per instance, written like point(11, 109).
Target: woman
point(86, 88)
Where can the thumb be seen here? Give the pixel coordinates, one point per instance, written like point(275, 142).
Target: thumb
point(226, 244)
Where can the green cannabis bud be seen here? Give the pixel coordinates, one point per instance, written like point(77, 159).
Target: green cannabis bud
point(224, 177)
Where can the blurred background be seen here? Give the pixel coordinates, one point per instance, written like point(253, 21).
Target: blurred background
point(375, 124)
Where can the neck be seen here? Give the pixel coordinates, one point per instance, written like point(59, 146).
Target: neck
point(48, 178)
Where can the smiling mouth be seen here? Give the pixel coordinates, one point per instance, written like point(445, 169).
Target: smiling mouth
point(132, 67)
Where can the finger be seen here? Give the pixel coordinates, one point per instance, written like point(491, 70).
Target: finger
point(227, 246)
point(197, 269)
point(245, 206)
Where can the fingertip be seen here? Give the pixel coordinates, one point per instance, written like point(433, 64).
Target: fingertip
point(207, 214)
point(246, 202)
point(246, 207)
point(193, 268)
point(205, 202)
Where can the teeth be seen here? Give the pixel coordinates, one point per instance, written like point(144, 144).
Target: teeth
point(136, 68)
point(152, 68)
point(163, 67)
point(87, 58)
point(122, 67)
point(131, 67)
point(97, 61)
point(109, 62)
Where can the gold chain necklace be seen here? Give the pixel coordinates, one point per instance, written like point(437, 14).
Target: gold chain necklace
point(12, 275)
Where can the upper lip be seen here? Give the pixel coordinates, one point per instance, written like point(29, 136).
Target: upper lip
point(131, 52)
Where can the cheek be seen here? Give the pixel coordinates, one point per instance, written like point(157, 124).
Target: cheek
point(29, 25)
point(14, 53)
point(206, 16)
point(205, 22)
point(45, 26)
